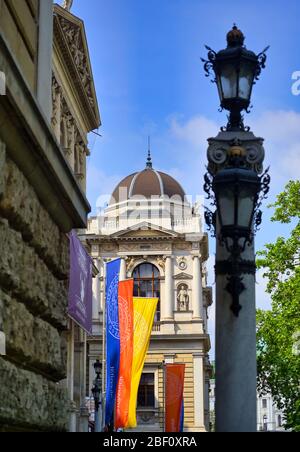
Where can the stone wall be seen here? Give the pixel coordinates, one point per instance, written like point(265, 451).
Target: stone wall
point(34, 268)
point(40, 203)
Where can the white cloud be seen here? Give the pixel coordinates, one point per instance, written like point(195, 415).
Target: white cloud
point(281, 131)
point(195, 131)
point(100, 186)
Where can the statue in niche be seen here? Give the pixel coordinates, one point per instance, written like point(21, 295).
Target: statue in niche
point(70, 126)
point(183, 299)
point(79, 158)
point(56, 101)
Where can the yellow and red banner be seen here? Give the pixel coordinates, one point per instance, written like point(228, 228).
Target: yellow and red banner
point(125, 299)
point(174, 375)
point(144, 312)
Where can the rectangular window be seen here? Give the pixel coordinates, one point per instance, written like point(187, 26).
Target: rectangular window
point(265, 403)
point(146, 394)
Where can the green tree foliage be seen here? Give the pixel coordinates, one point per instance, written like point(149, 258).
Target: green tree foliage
point(279, 329)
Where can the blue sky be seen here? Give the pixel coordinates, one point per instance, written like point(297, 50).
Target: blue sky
point(150, 80)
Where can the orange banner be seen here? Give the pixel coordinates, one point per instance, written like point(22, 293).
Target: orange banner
point(174, 374)
point(126, 352)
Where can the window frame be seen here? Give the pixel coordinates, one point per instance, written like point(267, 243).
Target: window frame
point(146, 386)
point(153, 279)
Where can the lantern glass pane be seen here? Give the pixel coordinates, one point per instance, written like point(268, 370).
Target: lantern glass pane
point(246, 81)
point(219, 85)
point(226, 207)
point(229, 81)
point(245, 208)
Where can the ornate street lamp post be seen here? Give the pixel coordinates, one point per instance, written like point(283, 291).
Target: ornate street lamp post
point(236, 185)
point(97, 396)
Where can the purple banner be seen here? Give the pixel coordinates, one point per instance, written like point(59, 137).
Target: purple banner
point(80, 289)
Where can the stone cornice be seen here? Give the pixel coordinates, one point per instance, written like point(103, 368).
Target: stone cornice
point(186, 338)
point(106, 238)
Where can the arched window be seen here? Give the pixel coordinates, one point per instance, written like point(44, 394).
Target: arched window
point(147, 284)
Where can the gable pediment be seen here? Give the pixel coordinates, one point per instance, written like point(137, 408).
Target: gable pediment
point(182, 277)
point(145, 230)
point(70, 36)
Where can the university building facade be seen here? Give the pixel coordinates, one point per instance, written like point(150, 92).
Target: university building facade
point(158, 236)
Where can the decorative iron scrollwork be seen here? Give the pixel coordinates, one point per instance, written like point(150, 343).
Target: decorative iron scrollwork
point(261, 58)
point(209, 63)
point(235, 287)
point(208, 179)
point(265, 188)
point(210, 220)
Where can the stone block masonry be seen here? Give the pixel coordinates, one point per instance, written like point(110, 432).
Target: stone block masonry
point(31, 397)
point(34, 267)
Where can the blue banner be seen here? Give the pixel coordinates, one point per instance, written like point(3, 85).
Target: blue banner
point(112, 337)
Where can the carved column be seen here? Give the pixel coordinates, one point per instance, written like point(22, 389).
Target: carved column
point(123, 275)
point(199, 394)
point(80, 162)
point(69, 145)
point(197, 289)
point(168, 302)
point(70, 378)
point(84, 412)
point(96, 292)
point(56, 108)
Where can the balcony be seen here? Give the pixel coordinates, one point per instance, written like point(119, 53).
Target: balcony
point(156, 327)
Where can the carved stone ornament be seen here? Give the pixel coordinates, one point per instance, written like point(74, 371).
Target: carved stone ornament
point(108, 247)
point(161, 261)
point(217, 153)
point(220, 150)
point(56, 101)
point(256, 156)
point(127, 247)
point(95, 248)
point(73, 36)
point(67, 4)
point(80, 155)
point(183, 246)
point(130, 263)
point(182, 263)
point(68, 128)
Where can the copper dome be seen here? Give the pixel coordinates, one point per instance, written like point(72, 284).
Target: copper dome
point(147, 183)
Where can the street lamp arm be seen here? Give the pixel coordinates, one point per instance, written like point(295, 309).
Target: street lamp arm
point(261, 59)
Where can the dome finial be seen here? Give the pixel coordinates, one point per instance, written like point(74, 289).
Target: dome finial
point(149, 159)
